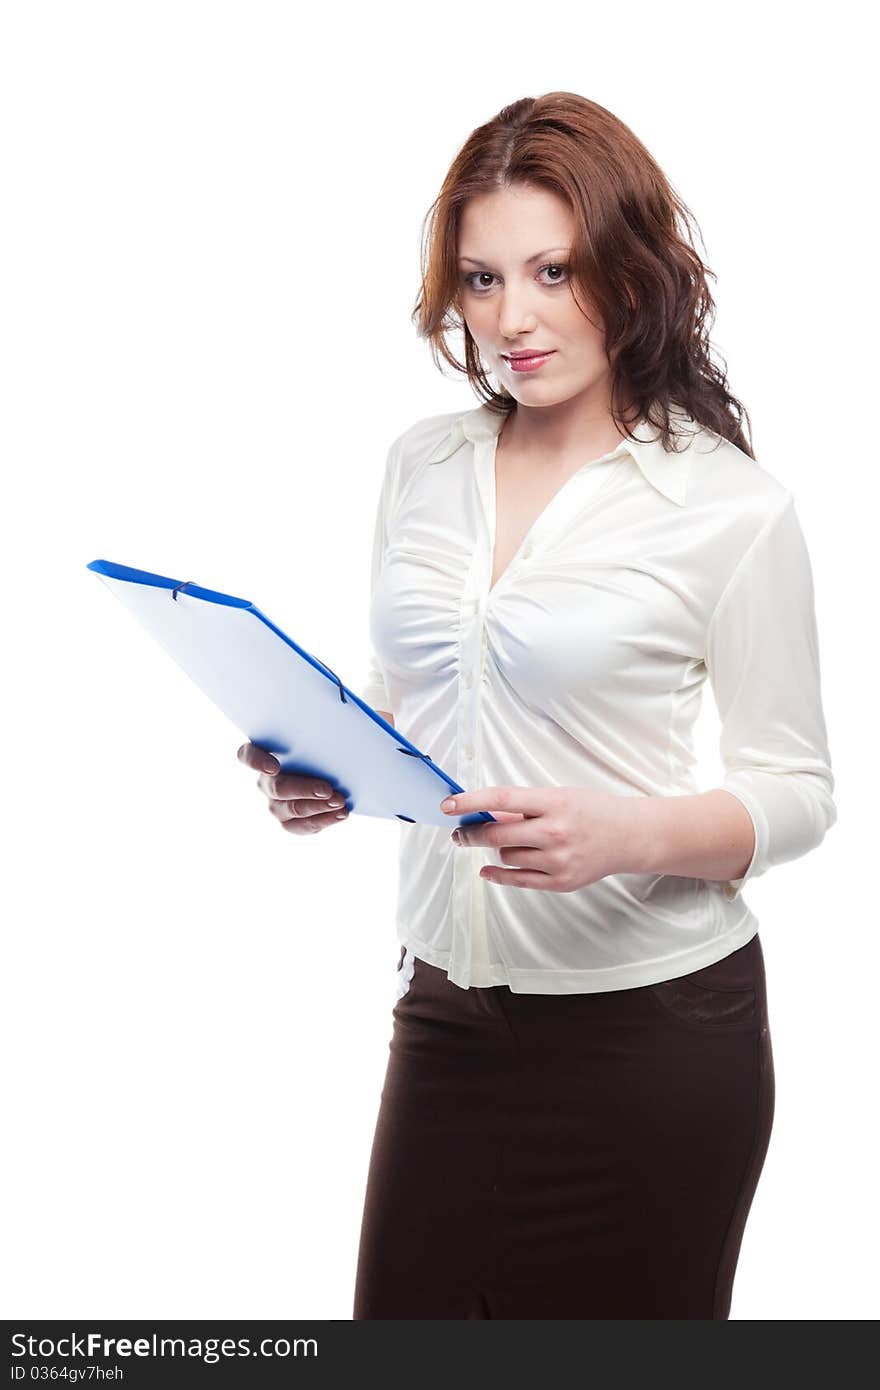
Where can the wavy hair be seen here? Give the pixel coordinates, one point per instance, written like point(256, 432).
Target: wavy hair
point(633, 252)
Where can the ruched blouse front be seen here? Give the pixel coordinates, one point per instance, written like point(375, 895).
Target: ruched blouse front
point(649, 572)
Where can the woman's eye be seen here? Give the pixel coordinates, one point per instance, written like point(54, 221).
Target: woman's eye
point(483, 275)
point(478, 275)
point(554, 265)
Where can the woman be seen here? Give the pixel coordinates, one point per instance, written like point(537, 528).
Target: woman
point(580, 1087)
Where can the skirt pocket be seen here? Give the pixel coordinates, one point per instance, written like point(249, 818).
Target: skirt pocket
point(726, 994)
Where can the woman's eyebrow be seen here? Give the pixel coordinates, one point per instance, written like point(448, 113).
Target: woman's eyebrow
point(537, 256)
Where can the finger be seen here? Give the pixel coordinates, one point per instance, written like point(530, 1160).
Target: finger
point(310, 825)
point(527, 799)
point(252, 755)
point(520, 878)
point(523, 857)
point(306, 808)
point(512, 836)
point(286, 786)
point(498, 818)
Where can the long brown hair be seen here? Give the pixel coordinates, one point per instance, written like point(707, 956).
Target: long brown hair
point(634, 253)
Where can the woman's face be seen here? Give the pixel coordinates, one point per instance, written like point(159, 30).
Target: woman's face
point(515, 295)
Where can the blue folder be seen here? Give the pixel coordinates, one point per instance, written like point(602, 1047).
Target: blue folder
point(286, 700)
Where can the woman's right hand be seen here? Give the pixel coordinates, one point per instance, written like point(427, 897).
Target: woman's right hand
point(293, 797)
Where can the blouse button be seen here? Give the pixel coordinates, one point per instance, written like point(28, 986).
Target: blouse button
point(468, 680)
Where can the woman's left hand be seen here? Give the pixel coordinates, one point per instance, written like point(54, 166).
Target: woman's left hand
point(561, 838)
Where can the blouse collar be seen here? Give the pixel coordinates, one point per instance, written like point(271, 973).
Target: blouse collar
point(666, 470)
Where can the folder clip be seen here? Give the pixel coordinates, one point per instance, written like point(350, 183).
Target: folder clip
point(176, 590)
point(337, 680)
point(425, 757)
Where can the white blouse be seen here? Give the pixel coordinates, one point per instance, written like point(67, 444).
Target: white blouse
point(646, 573)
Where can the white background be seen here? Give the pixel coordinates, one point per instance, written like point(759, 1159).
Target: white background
point(210, 243)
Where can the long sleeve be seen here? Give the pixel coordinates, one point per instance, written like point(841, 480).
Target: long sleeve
point(762, 658)
point(375, 691)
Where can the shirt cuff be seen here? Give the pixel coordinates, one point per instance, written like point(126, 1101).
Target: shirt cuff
point(731, 887)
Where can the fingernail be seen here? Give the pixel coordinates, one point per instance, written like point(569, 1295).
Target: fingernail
point(320, 790)
point(448, 804)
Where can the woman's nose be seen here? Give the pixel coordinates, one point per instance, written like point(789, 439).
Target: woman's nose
point(514, 318)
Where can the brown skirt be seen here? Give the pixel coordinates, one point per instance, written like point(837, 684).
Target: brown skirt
point(567, 1156)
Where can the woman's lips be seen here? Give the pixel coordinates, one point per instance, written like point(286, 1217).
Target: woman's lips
point(527, 364)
